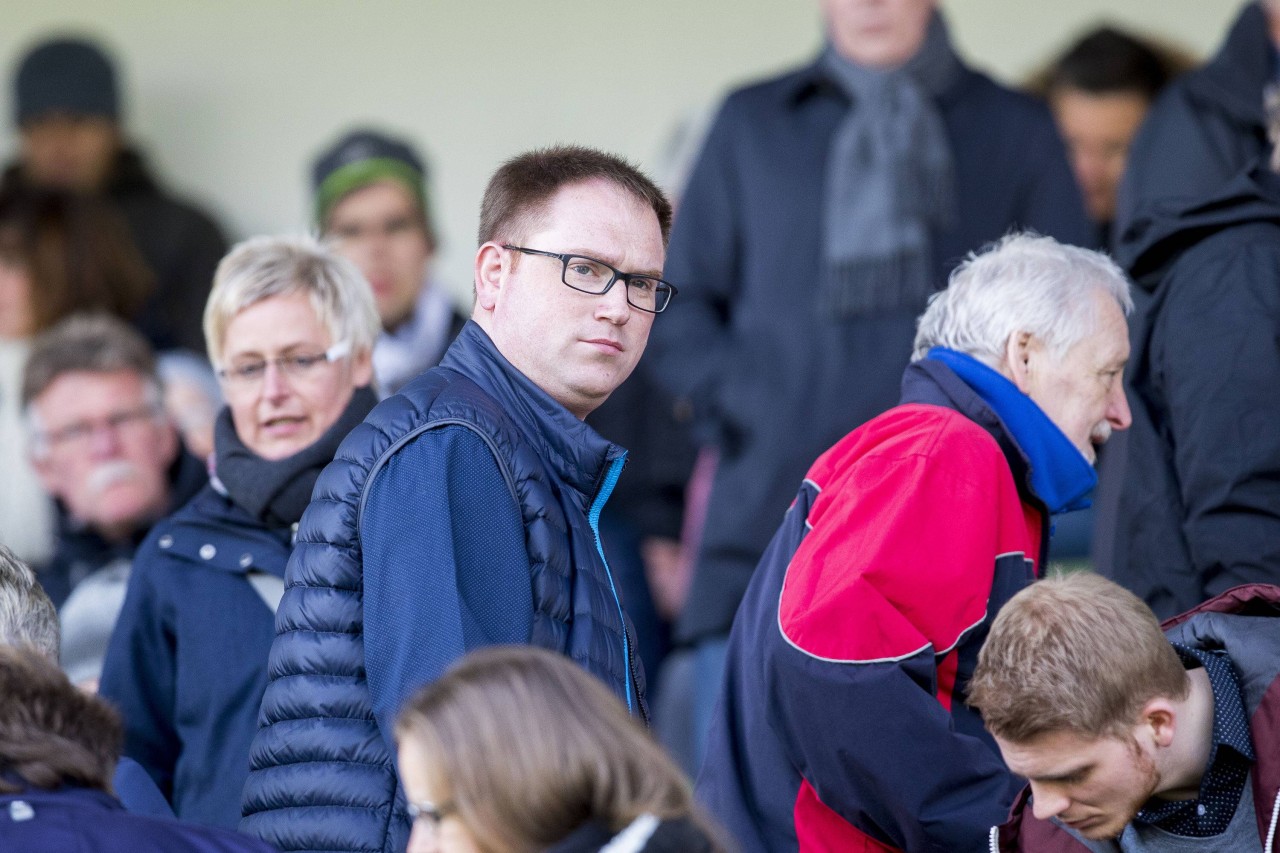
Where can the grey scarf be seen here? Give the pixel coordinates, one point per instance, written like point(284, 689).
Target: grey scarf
point(889, 180)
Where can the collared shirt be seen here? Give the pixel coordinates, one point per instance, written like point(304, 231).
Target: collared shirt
point(1230, 757)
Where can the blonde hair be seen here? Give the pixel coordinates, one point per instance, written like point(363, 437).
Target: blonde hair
point(1074, 653)
point(528, 747)
point(262, 267)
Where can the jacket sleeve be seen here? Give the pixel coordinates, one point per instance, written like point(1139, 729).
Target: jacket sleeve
point(1223, 410)
point(691, 344)
point(446, 569)
point(888, 592)
point(138, 675)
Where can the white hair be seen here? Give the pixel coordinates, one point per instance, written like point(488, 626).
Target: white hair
point(27, 616)
point(1021, 283)
point(262, 267)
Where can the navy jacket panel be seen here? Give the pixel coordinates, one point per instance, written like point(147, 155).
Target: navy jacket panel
point(322, 774)
point(70, 820)
point(187, 660)
point(1200, 503)
point(746, 339)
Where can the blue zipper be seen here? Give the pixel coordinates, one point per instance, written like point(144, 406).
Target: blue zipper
point(593, 518)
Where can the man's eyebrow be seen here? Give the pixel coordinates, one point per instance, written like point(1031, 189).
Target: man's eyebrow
point(1064, 775)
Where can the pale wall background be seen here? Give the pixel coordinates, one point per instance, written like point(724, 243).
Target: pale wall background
point(232, 99)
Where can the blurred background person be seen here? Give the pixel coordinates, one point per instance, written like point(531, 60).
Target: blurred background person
point(67, 109)
point(29, 620)
point(1099, 89)
point(58, 748)
point(290, 327)
point(107, 452)
point(191, 397)
point(1204, 128)
point(827, 205)
point(516, 749)
point(59, 253)
point(372, 201)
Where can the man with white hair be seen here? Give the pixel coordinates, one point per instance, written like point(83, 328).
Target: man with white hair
point(841, 723)
point(105, 450)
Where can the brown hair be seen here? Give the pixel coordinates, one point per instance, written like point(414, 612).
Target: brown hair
point(1074, 653)
point(528, 747)
point(77, 251)
point(52, 733)
point(519, 192)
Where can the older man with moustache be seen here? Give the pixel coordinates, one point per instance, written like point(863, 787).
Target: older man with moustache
point(465, 511)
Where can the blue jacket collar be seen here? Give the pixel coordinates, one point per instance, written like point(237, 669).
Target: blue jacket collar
point(1058, 473)
point(575, 453)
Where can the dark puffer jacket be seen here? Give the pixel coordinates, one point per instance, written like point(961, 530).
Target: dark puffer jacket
point(321, 772)
point(1200, 503)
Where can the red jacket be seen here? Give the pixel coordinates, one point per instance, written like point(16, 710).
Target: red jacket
point(841, 725)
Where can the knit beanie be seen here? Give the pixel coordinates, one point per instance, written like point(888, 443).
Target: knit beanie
point(364, 157)
point(65, 75)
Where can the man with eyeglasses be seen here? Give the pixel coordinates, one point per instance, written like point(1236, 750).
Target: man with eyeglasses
point(105, 450)
point(465, 511)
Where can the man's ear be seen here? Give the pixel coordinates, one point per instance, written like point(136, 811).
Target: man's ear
point(45, 471)
point(1159, 719)
point(1018, 351)
point(491, 261)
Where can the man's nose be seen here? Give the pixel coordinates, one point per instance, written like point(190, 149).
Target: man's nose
point(1118, 412)
point(612, 305)
point(1046, 803)
point(104, 441)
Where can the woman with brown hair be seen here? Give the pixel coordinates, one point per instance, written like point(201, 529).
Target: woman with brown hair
point(516, 749)
point(60, 253)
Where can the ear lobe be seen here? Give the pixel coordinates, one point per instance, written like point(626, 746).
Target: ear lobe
point(1017, 356)
point(490, 268)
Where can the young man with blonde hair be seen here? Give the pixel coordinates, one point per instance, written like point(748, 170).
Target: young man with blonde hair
point(1132, 739)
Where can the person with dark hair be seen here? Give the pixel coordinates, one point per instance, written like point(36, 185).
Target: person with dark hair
point(465, 511)
point(58, 751)
point(1133, 740)
point(104, 448)
point(60, 253)
point(372, 201)
point(67, 110)
point(1099, 90)
point(290, 327)
point(582, 782)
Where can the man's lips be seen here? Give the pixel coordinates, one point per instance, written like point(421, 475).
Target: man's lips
point(607, 344)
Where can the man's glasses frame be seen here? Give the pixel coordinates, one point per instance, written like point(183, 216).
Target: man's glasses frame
point(663, 290)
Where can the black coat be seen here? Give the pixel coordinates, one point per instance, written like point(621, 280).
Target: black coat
point(1200, 501)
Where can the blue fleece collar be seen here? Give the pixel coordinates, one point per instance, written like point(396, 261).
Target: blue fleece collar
point(1060, 474)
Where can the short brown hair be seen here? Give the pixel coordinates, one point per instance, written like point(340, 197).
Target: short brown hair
point(52, 733)
point(77, 251)
point(519, 192)
point(94, 343)
point(1074, 653)
point(529, 746)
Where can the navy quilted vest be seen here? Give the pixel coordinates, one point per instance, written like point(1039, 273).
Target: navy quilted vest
point(321, 775)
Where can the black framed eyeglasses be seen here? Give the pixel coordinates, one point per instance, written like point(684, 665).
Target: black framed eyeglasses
point(430, 812)
point(591, 275)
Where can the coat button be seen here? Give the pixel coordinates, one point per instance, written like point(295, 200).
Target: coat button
point(207, 552)
point(20, 810)
point(246, 560)
point(165, 541)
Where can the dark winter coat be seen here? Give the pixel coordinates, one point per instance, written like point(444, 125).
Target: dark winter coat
point(1203, 128)
point(1200, 502)
point(187, 665)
